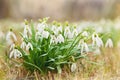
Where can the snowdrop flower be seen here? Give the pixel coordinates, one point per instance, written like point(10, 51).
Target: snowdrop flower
point(68, 33)
point(109, 43)
point(59, 29)
point(84, 47)
point(41, 27)
point(97, 40)
point(29, 46)
point(56, 29)
point(15, 53)
point(60, 38)
point(26, 31)
point(56, 32)
point(85, 33)
point(53, 39)
point(23, 45)
point(75, 32)
point(45, 34)
point(10, 36)
point(73, 67)
point(53, 28)
point(12, 46)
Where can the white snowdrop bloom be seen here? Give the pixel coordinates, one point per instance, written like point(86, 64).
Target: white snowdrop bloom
point(84, 47)
point(29, 46)
point(60, 38)
point(37, 35)
point(56, 29)
point(45, 34)
point(15, 53)
point(10, 37)
point(73, 67)
point(12, 46)
point(53, 39)
point(68, 33)
point(59, 28)
point(85, 33)
point(109, 43)
point(75, 32)
point(27, 31)
point(53, 28)
point(41, 27)
point(23, 45)
point(56, 32)
point(97, 40)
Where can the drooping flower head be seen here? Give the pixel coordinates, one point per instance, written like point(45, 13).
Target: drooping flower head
point(109, 43)
point(97, 40)
point(15, 53)
point(11, 37)
point(60, 38)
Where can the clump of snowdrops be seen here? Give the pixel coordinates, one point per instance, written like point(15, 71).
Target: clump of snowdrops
point(49, 47)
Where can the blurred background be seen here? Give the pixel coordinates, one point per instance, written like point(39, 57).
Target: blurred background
point(71, 10)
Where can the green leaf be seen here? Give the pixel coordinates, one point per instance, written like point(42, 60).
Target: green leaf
point(52, 68)
point(33, 66)
point(33, 31)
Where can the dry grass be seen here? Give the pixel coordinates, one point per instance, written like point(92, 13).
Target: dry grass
point(107, 68)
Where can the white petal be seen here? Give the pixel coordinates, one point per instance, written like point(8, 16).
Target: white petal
point(60, 38)
point(85, 33)
point(23, 45)
point(45, 34)
point(68, 33)
point(86, 47)
point(8, 36)
point(29, 46)
point(19, 54)
point(75, 32)
point(12, 46)
point(41, 27)
point(73, 67)
point(109, 43)
point(11, 54)
point(14, 37)
point(15, 53)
